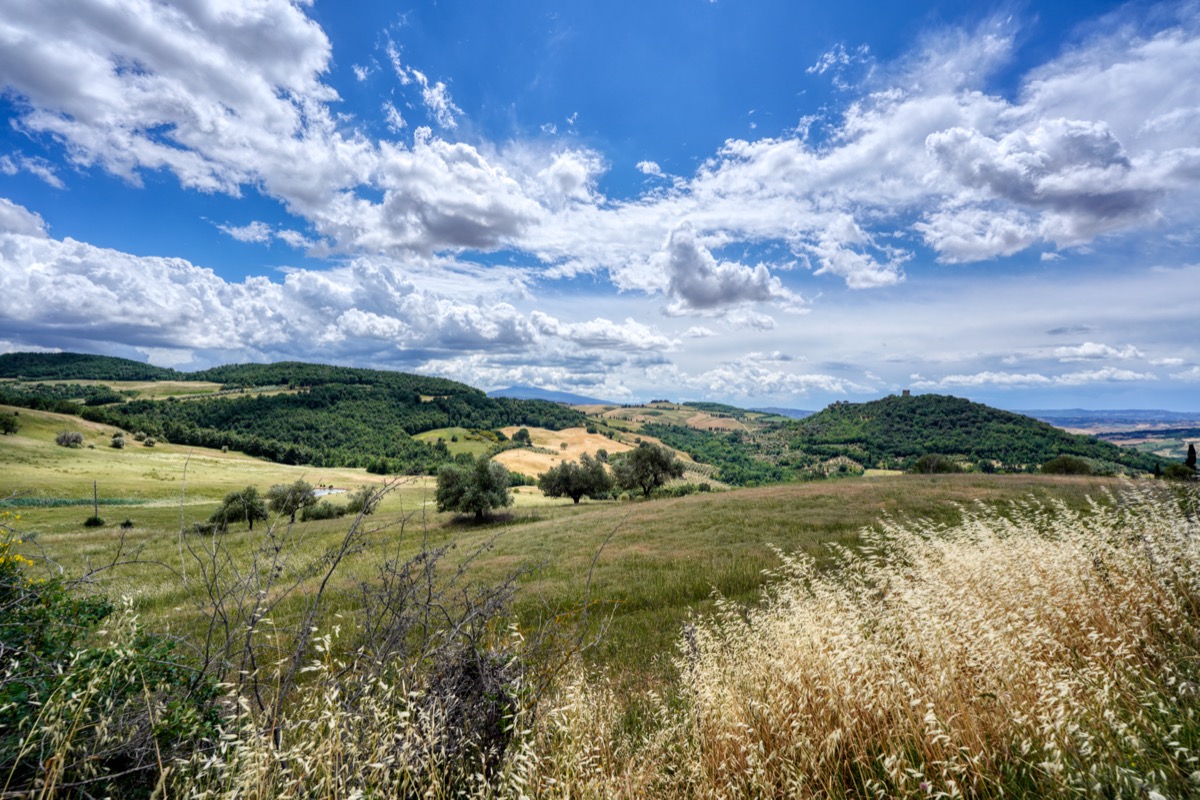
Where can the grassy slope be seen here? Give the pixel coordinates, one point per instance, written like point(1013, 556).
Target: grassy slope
point(663, 561)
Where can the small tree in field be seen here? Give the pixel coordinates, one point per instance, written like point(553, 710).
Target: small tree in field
point(69, 439)
point(572, 480)
point(647, 468)
point(364, 500)
point(291, 498)
point(9, 424)
point(243, 506)
point(474, 488)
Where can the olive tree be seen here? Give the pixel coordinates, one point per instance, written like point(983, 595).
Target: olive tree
point(290, 498)
point(647, 468)
point(574, 480)
point(243, 506)
point(473, 488)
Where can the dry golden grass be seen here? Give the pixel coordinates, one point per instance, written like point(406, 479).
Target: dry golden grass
point(1051, 654)
point(578, 441)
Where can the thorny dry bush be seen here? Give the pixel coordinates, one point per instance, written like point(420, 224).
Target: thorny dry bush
point(429, 670)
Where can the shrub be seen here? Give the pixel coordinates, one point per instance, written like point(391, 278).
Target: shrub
point(69, 439)
point(473, 489)
point(932, 463)
point(139, 436)
point(118, 440)
point(149, 441)
point(80, 711)
point(287, 499)
point(1067, 465)
point(1178, 472)
point(243, 506)
point(520, 479)
point(364, 500)
point(127, 524)
point(677, 490)
point(322, 510)
point(93, 522)
point(9, 424)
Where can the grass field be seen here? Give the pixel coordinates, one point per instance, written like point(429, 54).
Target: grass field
point(889, 635)
point(632, 418)
point(650, 564)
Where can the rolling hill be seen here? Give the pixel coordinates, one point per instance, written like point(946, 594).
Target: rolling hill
point(894, 431)
point(313, 414)
point(301, 413)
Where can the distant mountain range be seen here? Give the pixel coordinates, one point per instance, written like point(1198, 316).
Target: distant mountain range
point(534, 393)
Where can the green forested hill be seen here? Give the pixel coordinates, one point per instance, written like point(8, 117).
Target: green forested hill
point(332, 424)
point(301, 374)
point(895, 431)
point(81, 367)
point(329, 416)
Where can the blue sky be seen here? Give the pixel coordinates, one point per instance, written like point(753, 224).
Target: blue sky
point(758, 202)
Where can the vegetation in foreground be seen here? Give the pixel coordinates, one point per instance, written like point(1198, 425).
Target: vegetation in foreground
point(1045, 652)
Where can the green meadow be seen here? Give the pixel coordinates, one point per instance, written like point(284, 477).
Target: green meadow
point(892, 634)
point(641, 569)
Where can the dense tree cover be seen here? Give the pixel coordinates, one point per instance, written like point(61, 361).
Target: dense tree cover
point(1165, 433)
point(895, 431)
point(647, 467)
point(359, 425)
point(301, 374)
point(933, 464)
point(80, 367)
point(342, 417)
point(738, 459)
point(58, 398)
point(473, 488)
point(575, 480)
point(717, 408)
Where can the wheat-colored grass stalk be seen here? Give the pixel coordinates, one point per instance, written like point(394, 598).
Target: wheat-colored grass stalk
point(1046, 653)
